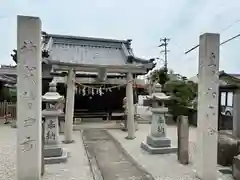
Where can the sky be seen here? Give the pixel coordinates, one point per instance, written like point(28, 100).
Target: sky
point(145, 22)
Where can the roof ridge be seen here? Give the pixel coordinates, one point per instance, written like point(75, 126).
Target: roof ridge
point(88, 38)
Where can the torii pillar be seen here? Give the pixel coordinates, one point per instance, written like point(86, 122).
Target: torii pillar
point(69, 112)
point(130, 107)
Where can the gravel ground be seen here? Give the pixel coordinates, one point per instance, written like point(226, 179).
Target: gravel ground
point(162, 167)
point(77, 167)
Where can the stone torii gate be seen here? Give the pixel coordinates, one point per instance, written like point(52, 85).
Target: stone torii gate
point(69, 54)
point(73, 55)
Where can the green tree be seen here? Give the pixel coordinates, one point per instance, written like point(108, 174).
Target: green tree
point(183, 94)
point(160, 76)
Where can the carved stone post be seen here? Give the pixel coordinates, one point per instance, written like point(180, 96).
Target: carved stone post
point(183, 135)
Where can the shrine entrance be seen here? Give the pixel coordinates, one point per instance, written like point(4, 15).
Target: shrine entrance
point(98, 74)
point(108, 102)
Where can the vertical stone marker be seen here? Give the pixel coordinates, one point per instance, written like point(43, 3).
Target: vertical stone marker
point(183, 140)
point(208, 92)
point(29, 95)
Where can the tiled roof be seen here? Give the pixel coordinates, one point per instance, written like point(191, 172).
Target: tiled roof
point(87, 54)
point(222, 82)
point(7, 79)
point(87, 50)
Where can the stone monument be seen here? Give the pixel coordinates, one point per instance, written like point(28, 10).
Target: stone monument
point(29, 91)
point(207, 111)
point(157, 142)
point(53, 153)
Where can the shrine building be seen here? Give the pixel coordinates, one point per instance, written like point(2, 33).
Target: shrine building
point(92, 73)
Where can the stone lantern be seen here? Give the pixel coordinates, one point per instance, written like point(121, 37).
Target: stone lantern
point(157, 142)
point(53, 153)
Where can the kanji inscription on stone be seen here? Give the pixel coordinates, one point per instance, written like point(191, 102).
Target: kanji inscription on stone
point(51, 124)
point(160, 127)
point(50, 135)
point(27, 144)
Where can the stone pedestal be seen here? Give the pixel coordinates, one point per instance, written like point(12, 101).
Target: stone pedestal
point(53, 153)
point(157, 142)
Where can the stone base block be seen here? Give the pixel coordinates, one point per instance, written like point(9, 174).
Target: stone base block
point(52, 151)
point(158, 150)
point(236, 167)
point(56, 160)
point(158, 141)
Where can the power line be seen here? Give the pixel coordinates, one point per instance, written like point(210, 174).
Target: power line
point(224, 42)
point(165, 51)
point(229, 26)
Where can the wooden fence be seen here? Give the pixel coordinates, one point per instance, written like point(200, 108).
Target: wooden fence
point(8, 110)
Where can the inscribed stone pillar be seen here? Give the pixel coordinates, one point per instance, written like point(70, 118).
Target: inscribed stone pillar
point(69, 107)
point(130, 107)
point(236, 113)
point(29, 94)
point(208, 93)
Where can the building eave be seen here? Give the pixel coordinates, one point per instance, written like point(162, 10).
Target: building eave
point(134, 68)
point(86, 38)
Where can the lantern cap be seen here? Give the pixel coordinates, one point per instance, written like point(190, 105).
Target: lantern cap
point(159, 97)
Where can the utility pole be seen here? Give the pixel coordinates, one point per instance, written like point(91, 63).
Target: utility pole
point(164, 43)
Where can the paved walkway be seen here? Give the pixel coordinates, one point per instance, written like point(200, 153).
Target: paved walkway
point(76, 168)
point(164, 166)
point(107, 155)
